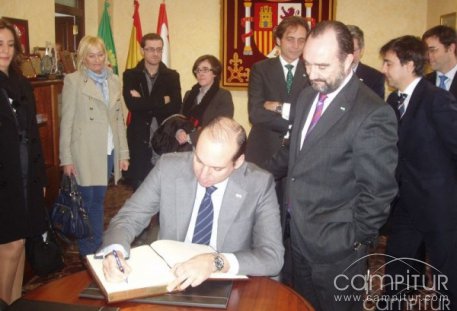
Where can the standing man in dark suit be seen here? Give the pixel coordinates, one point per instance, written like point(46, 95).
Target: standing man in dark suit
point(341, 172)
point(152, 93)
point(441, 43)
point(373, 78)
point(270, 100)
point(426, 208)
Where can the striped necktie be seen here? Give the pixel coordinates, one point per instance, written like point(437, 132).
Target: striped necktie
point(401, 103)
point(204, 223)
point(317, 113)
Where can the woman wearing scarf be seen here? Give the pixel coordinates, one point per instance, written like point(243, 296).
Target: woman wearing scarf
point(92, 132)
point(22, 170)
point(206, 100)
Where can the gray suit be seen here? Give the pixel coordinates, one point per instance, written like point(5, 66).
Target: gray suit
point(340, 185)
point(248, 224)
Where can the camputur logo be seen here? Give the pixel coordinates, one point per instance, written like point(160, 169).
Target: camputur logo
point(412, 290)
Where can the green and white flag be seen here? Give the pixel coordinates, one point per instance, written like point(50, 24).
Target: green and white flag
point(104, 32)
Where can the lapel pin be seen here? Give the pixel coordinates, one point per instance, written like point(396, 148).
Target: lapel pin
point(343, 108)
point(238, 195)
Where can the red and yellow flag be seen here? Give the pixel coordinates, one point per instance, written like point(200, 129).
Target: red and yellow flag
point(134, 54)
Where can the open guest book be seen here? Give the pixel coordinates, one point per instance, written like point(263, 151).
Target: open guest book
point(151, 269)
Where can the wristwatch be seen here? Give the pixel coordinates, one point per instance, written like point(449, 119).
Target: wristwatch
point(218, 262)
point(279, 108)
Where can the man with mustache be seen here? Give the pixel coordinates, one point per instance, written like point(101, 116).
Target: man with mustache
point(341, 172)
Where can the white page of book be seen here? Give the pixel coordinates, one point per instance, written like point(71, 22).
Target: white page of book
point(174, 252)
point(148, 270)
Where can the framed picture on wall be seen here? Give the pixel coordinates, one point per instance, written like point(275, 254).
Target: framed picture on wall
point(22, 28)
point(247, 31)
point(449, 20)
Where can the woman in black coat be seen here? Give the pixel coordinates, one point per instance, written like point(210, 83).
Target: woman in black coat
point(22, 170)
point(206, 100)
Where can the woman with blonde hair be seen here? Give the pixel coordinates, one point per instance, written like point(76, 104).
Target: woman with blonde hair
point(22, 170)
point(92, 132)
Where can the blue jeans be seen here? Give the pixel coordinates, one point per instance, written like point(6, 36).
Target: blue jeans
point(93, 199)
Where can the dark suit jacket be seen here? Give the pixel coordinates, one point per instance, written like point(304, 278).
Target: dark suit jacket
point(146, 107)
point(373, 78)
point(341, 183)
point(453, 89)
point(267, 82)
point(427, 168)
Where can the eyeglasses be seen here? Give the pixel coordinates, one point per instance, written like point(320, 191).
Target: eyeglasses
point(204, 70)
point(152, 50)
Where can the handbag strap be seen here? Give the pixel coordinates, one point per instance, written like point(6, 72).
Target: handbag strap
point(69, 184)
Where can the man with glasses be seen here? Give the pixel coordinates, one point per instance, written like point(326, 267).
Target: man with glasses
point(152, 93)
point(441, 43)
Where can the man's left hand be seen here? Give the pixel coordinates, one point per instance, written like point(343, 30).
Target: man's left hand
point(192, 272)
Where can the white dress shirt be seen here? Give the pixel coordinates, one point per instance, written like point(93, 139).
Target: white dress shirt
point(409, 91)
point(286, 106)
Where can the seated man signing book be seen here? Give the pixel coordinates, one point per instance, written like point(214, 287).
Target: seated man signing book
point(209, 196)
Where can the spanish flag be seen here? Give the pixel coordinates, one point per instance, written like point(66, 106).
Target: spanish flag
point(162, 30)
point(134, 55)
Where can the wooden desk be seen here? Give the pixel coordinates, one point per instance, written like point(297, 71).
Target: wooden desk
point(259, 293)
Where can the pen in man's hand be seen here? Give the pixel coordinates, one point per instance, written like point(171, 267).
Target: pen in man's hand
point(119, 265)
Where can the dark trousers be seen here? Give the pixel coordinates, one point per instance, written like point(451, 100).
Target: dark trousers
point(441, 248)
point(286, 275)
point(331, 286)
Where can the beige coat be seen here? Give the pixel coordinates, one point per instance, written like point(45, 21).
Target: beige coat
point(84, 128)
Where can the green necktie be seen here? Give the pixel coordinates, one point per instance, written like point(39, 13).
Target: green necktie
point(290, 77)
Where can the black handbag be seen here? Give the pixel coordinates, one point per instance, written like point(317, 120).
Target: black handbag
point(44, 253)
point(69, 218)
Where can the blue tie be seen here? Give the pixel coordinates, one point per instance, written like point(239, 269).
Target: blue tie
point(204, 223)
point(442, 84)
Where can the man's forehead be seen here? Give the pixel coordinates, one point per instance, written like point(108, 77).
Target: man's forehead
point(293, 29)
point(153, 43)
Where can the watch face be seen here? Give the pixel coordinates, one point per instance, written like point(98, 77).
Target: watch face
point(218, 263)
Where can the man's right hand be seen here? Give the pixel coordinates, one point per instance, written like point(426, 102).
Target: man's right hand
point(111, 269)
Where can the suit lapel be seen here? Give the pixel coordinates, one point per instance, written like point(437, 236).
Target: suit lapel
point(340, 105)
point(299, 78)
point(90, 89)
point(232, 202)
point(413, 105)
point(186, 189)
point(277, 71)
point(453, 88)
